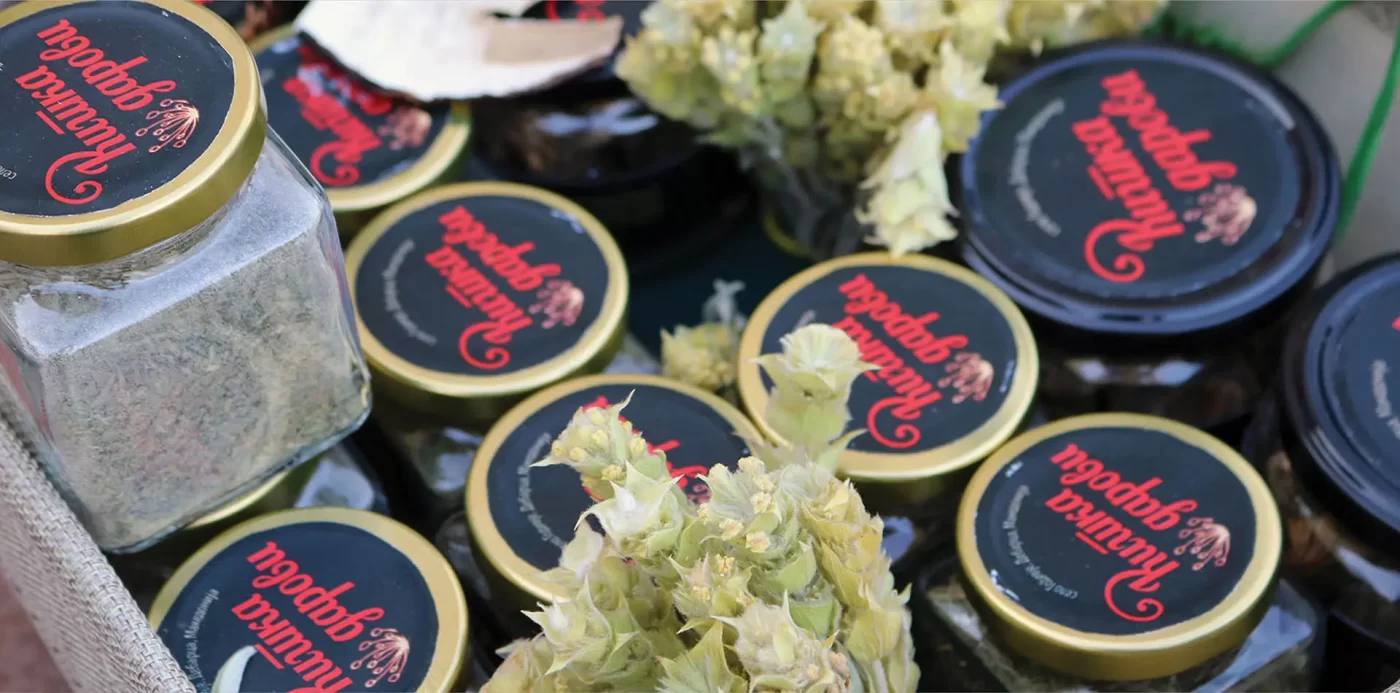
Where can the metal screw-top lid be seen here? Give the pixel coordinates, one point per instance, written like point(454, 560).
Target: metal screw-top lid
point(126, 123)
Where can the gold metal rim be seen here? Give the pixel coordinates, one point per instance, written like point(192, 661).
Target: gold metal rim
point(893, 468)
point(448, 385)
point(244, 501)
point(498, 552)
point(450, 653)
point(1127, 657)
point(445, 151)
point(181, 204)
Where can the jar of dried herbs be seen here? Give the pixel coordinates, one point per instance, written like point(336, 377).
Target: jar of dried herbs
point(368, 149)
point(339, 477)
point(1155, 210)
point(521, 517)
point(958, 370)
point(470, 297)
point(1329, 444)
point(1116, 552)
point(174, 321)
point(318, 599)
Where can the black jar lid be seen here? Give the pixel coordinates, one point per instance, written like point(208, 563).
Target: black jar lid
point(471, 296)
point(122, 124)
point(334, 597)
point(368, 149)
point(1341, 398)
point(1148, 191)
point(521, 517)
point(958, 367)
point(1119, 546)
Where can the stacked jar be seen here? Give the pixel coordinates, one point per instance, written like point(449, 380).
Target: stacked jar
point(519, 517)
point(650, 180)
point(368, 149)
point(1115, 552)
point(957, 376)
point(470, 297)
point(174, 322)
point(1156, 211)
point(1329, 444)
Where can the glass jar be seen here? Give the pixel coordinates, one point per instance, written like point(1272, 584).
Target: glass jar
point(958, 368)
point(367, 149)
point(470, 297)
point(339, 477)
point(521, 517)
point(1116, 552)
point(1155, 210)
point(1329, 444)
point(174, 322)
point(318, 599)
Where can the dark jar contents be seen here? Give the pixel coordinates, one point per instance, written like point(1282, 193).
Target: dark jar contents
point(1116, 552)
point(957, 376)
point(1156, 211)
point(339, 477)
point(520, 518)
point(470, 297)
point(366, 148)
point(647, 178)
point(1329, 444)
point(323, 599)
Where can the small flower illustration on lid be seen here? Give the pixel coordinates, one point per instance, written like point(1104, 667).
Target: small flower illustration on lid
point(1206, 541)
point(388, 655)
point(174, 124)
point(560, 302)
point(971, 377)
point(1226, 212)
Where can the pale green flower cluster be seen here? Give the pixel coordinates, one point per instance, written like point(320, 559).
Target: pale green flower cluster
point(841, 88)
point(704, 355)
point(777, 583)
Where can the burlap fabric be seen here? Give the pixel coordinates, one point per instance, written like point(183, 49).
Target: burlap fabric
point(99, 638)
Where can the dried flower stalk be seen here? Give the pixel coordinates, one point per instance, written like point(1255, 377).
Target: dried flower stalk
point(778, 583)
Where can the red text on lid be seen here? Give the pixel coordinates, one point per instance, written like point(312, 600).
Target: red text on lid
point(485, 343)
point(901, 344)
point(588, 10)
point(1224, 211)
point(1114, 516)
point(72, 60)
point(288, 612)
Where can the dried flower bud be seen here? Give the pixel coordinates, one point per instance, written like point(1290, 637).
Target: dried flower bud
point(701, 356)
point(912, 29)
point(777, 653)
point(704, 669)
point(910, 204)
point(729, 56)
point(597, 444)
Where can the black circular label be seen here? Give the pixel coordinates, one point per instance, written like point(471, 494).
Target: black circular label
point(1361, 373)
point(1138, 178)
point(310, 606)
point(536, 508)
point(345, 131)
point(1115, 530)
point(104, 102)
point(482, 285)
point(947, 356)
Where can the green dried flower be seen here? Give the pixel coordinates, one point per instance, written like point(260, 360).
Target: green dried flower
point(960, 95)
point(600, 446)
point(702, 356)
point(786, 50)
point(913, 29)
point(780, 655)
point(704, 669)
point(910, 206)
point(980, 27)
point(729, 56)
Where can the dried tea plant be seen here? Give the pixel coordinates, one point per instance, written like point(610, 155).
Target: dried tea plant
point(835, 101)
point(705, 355)
point(778, 583)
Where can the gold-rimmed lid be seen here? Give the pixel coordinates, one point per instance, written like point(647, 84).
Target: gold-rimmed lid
point(343, 587)
point(521, 517)
point(125, 123)
point(367, 149)
point(470, 296)
point(1119, 546)
point(958, 366)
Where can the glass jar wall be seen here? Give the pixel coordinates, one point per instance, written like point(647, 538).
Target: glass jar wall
point(174, 326)
point(1329, 444)
point(1115, 552)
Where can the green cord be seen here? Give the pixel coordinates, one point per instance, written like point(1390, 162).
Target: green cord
point(1172, 28)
